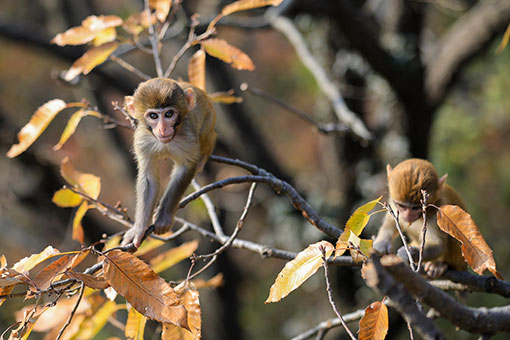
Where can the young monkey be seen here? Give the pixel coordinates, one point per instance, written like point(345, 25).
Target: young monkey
point(176, 121)
point(405, 183)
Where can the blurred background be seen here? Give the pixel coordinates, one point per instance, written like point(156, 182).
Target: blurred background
point(423, 76)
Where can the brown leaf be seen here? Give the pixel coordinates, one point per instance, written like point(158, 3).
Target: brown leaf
point(148, 293)
point(162, 8)
point(221, 49)
point(37, 124)
point(190, 299)
point(297, 271)
point(243, 5)
point(91, 59)
point(374, 324)
point(196, 69)
point(90, 28)
point(94, 282)
point(54, 271)
point(459, 224)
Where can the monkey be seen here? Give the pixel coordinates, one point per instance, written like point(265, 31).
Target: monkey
point(405, 183)
point(175, 120)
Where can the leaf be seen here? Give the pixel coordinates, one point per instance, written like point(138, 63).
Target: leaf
point(162, 8)
point(297, 271)
point(66, 198)
point(225, 97)
point(91, 59)
point(78, 234)
point(91, 27)
point(105, 36)
point(92, 325)
point(9, 277)
point(343, 242)
point(137, 22)
point(87, 183)
point(27, 263)
point(459, 224)
point(94, 282)
point(221, 49)
point(72, 124)
point(349, 240)
point(504, 41)
point(135, 325)
point(5, 291)
point(148, 293)
point(359, 219)
point(190, 299)
point(213, 282)
point(244, 5)
point(374, 324)
point(37, 124)
point(54, 271)
point(173, 256)
point(196, 69)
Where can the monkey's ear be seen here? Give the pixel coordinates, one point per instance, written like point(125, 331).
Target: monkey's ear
point(190, 98)
point(388, 170)
point(442, 180)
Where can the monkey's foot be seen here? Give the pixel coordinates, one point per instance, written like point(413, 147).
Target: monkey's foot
point(434, 269)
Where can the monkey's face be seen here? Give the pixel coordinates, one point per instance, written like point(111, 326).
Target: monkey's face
point(163, 123)
point(409, 212)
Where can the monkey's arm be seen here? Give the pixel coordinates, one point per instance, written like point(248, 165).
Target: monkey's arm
point(382, 243)
point(181, 177)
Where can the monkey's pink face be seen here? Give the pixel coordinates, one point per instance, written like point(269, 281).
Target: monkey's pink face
point(409, 212)
point(163, 122)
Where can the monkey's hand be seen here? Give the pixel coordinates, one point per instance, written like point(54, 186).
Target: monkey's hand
point(134, 235)
point(434, 269)
point(164, 221)
point(414, 251)
point(382, 247)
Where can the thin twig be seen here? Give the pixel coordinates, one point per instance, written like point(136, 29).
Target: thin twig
point(330, 295)
point(424, 229)
point(132, 120)
point(68, 322)
point(328, 324)
point(402, 237)
point(153, 37)
point(211, 210)
point(129, 67)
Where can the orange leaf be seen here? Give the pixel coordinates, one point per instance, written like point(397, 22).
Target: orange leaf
point(170, 257)
point(190, 299)
point(162, 8)
point(90, 28)
point(225, 97)
point(87, 183)
point(95, 282)
point(148, 293)
point(78, 234)
point(221, 49)
point(297, 271)
point(137, 22)
point(66, 198)
point(459, 224)
point(214, 282)
point(91, 59)
point(243, 5)
point(5, 291)
point(196, 69)
point(54, 271)
point(374, 324)
point(37, 124)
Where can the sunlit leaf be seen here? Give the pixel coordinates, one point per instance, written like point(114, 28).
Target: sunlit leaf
point(137, 22)
point(113, 242)
point(27, 263)
point(196, 69)
point(366, 248)
point(37, 124)
point(149, 245)
point(26, 325)
point(504, 41)
point(173, 256)
point(66, 198)
point(91, 59)
point(359, 219)
point(213, 282)
point(54, 271)
point(243, 5)
point(374, 324)
point(3, 262)
point(459, 224)
point(343, 242)
point(87, 183)
point(105, 36)
point(135, 325)
point(297, 271)
point(221, 49)
point(95, 282)
point(225, 97)
point(90, 28)
point(5, 291)
point(93, 324)
point(78, 234)
point(162, 8)
point(148, 293)
point(190, 299)
point(9, 277)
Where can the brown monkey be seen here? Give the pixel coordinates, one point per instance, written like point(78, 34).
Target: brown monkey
point(405, 183)
point(175, 120)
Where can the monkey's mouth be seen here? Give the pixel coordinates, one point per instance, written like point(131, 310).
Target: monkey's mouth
point(166, 139)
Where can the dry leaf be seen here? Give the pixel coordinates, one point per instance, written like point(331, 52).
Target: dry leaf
point(162, 8)
point(173, 256)
point(54, 271)
point(94, 282)
point(221, 49)
point(135, 325)
point(213, 282)
point(37, 124)
point(87, 183)
point(72, 124)
point(374, 324)
point(196, 69)
point(190, 299)
point(9, 277)
point(148, 293)
point(225, 97)
point(137, 22)
point(243, 5)
point(459, 224)
point(91, 59)
point(297, 271)
point(27, 263)
point(90, 28)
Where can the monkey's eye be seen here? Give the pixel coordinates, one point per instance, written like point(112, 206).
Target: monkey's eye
point(169, 113)
point(153, 115)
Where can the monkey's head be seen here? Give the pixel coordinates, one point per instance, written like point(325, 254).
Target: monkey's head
point(161, 104)
point(405, 183)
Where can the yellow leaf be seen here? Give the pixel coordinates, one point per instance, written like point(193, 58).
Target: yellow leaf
point(196, 70)
point(91, 59)
point(459, 224)
point(27, 263)
point(504, 41)
point(213, 282)
point(149, 245)
point(359, 219)
point(3, 262)
point(105, 36)
point(374, 324)
point(87, 183)
point(113, 242)
point(173, 256)
point(65, 198)
point(297, 271)
point(37, 124)
point(221, 49)
point(72, 124)
point(162, 8)
point(90, 28)
point(135, 325)
point(93, 324)
point(243, 5)
point(190, 299)
point(343, 242)
point(148, 293)
point(78, 234)
point(225, 97)
point(5, 291)
point(137, 22)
